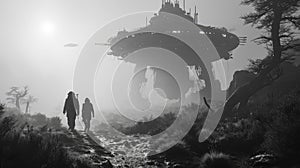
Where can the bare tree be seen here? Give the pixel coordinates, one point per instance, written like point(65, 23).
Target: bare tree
point(16, 94)
point(279, 20)
point(28, 101)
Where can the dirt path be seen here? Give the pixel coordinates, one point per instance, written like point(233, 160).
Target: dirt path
point(79, 144)
point(111, 151)
point(132, 151)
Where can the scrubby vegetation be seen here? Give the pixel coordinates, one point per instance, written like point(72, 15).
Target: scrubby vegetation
point(216, 160)
point(152, 127)
point(272, 128)
point(25, 145)
point(40, 120)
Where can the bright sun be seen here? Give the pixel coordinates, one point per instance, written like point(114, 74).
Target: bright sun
point(48, 28)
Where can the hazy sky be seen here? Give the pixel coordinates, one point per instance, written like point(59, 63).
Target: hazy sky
point(34, 32)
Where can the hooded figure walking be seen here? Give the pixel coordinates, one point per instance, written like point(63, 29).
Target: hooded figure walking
point(71, 107)
point(87, 112)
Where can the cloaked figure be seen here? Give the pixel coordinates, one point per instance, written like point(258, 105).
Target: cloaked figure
point(71, 107)
point(87, 112)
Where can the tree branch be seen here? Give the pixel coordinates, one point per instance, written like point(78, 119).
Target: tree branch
point(263, 37)
point(293, 19)
point(24, 92)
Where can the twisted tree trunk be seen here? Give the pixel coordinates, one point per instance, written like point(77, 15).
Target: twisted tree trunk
point(27, 107)
point(242, 94)
point(265, 77)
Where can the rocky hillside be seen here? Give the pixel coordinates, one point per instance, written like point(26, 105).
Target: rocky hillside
point(287, 82)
